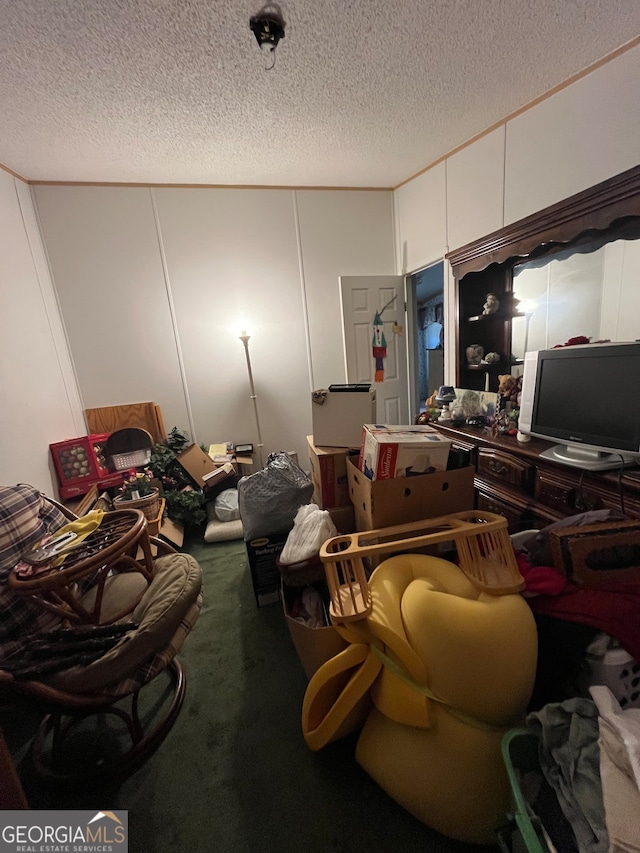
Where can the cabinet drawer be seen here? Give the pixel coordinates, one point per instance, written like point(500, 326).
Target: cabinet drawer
point(521, 514)
point(505, 468)
point(570, 494)
point(511, 513)
point(565, 494)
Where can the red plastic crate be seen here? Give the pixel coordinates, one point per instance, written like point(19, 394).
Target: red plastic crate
point(79, 463)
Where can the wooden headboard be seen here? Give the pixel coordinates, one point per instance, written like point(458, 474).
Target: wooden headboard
point(110, 418)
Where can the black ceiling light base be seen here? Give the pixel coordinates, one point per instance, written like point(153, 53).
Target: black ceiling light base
point(268, 28)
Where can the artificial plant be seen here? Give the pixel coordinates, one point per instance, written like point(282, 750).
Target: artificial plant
point(184, 503)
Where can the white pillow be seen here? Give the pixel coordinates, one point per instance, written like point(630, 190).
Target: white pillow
point(226, 505)
point(221, 531)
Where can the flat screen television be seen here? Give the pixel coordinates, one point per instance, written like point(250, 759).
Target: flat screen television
point(587, 399)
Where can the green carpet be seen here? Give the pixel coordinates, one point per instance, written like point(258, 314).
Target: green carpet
point(234, 775)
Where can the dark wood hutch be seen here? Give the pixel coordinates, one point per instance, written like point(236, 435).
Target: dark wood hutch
point(511, 479)
point(606, 212)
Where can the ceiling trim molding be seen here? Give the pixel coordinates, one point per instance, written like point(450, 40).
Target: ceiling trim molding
point(203, 186)
point(12, 173)
point(553, 91)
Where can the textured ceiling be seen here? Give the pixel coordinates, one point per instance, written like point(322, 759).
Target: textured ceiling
point(363, 93)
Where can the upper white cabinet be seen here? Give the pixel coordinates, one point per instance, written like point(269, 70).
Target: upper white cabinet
point(578, 137)
point(475, 189)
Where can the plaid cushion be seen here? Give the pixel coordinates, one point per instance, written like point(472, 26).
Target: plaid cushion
point(161, 660)
point(25, 517)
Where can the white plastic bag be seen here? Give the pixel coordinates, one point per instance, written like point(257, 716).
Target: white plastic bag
point(226, 505)
point(312, 527)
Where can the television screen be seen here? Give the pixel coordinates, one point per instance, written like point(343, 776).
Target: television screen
point(585, 397)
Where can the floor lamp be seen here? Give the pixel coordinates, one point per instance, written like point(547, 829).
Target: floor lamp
point(244, 337)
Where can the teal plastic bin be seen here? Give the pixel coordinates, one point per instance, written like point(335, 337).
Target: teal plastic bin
point(523, 830)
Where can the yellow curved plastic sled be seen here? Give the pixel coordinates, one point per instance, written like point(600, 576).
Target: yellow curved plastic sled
point(437, 671)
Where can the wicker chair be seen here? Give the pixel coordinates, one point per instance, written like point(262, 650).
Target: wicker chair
point(131, 595)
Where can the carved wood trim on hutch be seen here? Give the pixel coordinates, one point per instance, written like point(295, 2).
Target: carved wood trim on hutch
point(596, 208)
point(605, 212)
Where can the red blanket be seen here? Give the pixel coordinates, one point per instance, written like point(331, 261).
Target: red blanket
point(614, 610)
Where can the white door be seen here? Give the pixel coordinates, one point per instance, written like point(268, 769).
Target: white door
point(361, 298)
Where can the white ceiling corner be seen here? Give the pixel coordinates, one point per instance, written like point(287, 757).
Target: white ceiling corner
point(363, 93)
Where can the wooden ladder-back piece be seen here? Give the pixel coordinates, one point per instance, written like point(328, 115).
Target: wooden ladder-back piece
point(485, 555)
point(108, 419)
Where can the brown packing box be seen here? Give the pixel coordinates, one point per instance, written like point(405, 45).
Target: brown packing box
point(384, 503)
point(196, 463)
point(172, 532)
point(329, 475)
point(314, 646)
point(344, 518)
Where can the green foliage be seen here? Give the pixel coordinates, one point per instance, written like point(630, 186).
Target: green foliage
point(177, 440)
point(184, 506)
point(187, 507)
point(163, 461)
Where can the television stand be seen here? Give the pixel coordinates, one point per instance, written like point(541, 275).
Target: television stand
point(532, 490)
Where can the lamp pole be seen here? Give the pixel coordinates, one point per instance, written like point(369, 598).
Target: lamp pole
point(244, 337)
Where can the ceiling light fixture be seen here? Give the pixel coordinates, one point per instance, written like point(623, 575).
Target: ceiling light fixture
point(268, 28)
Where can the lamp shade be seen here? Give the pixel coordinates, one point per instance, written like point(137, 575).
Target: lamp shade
point(446, 394)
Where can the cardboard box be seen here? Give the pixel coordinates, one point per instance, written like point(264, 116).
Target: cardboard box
point(344, 518)
point(389, 451)
point(338, 420)
point(223, 472)
point(172, 532)
point(384, 503)
point(262, 553)
point(196, 463)
point(314, 646)
point(329, 475)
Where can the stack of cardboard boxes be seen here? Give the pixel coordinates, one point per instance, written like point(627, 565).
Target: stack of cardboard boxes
point(369, 476)
point(405, 474)
point(337, 417)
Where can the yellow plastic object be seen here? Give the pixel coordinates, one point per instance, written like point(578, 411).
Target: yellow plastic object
point(452, 669)
point(336, 702)
point(485, 555)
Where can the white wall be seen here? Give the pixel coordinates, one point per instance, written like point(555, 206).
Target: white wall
point(331, 246)
point(39, 398)
point(581, 135)
point(172, 275)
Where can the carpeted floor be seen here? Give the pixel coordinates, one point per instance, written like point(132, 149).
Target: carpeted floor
point(234, 774)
